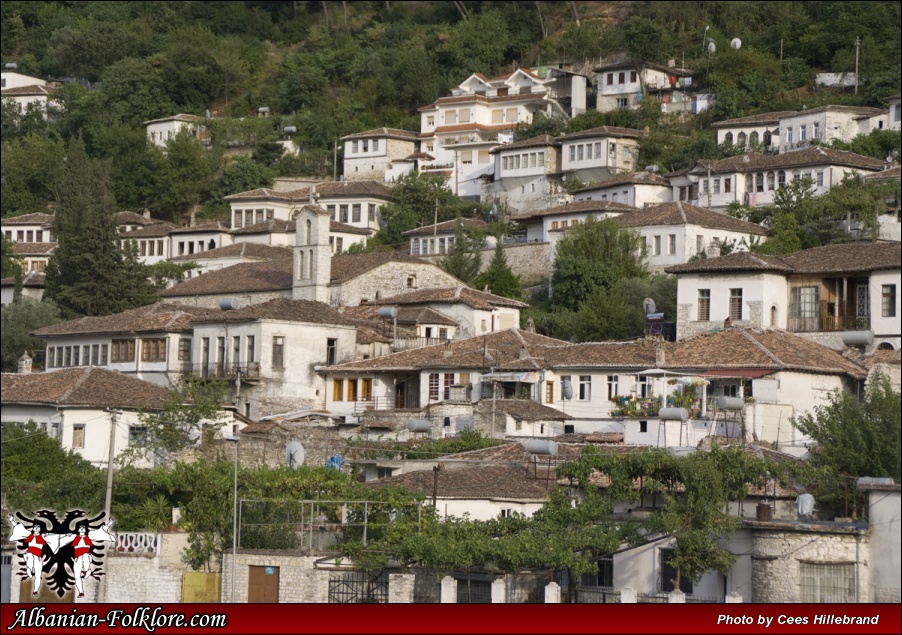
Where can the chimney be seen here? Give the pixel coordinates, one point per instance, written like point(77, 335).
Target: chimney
point(312, 194)
point(192, 220)
point(146, 213)
point(24, 366)
point(660, 357)
point(713, 249)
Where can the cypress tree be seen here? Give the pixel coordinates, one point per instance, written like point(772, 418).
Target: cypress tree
point(89, 274)
point(499, 277)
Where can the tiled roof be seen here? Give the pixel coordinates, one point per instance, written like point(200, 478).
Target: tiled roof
point(278, 309)
point(33, 249)
point(344, 228)
point(639, 354)
point(894, 172)
point(679, 213)
point(153, 230)
point(478, 481)
point(602, 131)
point(87, 386)
point(32, 279)
point(348, 267)
point(828, 260)
point(881, 356)
point(579, 207)
point(406, 314)
point(454, 295)
point(529, 410)
point(327, 189)
point(37, 218)
point(28, 91)
point(541, 141)
point(391, 133)
point(860, 111)
point(634, 178)
point(753, 161)
point(273, 225)
point(422, 156)
point(132, 218)
point(447, 226)
point(152, 318)
point(763, 349)
point(474, 352)
point(467, 127)
point(761, 118)
point(214, 226)
point(630, 65)
point(249, 277)
point(253, 251)
point(179, 117)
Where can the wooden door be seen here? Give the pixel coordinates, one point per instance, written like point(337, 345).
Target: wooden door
point(263, 585)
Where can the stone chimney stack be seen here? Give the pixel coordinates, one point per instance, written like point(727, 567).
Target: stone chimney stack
point(660, 357)
point(713, 249)
point(24, 366)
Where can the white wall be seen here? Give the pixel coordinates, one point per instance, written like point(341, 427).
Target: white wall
point(890, 326)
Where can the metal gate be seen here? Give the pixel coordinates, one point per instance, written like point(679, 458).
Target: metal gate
point(358, 587)
point(597, 595)
point(427, 588)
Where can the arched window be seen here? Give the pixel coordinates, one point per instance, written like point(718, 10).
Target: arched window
point(740, 139)
point(728, 138)
point(753, 139)
point(415, 247)
point(885, 346)
point(759, 182)
point(300, 271)
point(749, 183)
point(770, 181)
point(310, 267)
point(212, 244)
point(767, 138)
point(773, 316)
point(308, 227)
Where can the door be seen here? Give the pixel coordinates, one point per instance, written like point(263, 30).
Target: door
point(263, 585)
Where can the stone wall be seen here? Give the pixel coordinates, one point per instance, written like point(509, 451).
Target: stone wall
point(244, 299)
point(530, 261)
point(780, 549)
point(688, 328)
point(390, 279)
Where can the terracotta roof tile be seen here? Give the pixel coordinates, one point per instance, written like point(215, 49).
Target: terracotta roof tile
point(752, 161)
point(28, 91)
point(273, 225)
point(348, 267)
point(87, 386)
point(154, 318)
point(760, 118)
point(133, 218)
point(33, 249)
point(37, 218)
point(274, 275)
point(407, 315)
point(540, 141)
point(579, 207)
point(345, 228)
point(327, 189)
point(478, 481)
point(454, 295)
point(391, 133)
point(635, 178)
point(448, 225)
point(529, 410)
point(151, 230)
point(679, 213)
point(278, 309)
point(603, 131)
point(894, 172)
point(253, 251)
point(214, 226)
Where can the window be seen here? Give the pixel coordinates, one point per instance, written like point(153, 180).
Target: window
point(78, 436)
point(632, 77)
point(643, 426)
point(770, 181)
point(355, 146)
point(671, 244)
point(366, 389)
point(415, 247)
point(104, 350)
point(735, 304)
point(621, 78)
point(343, 213)
point(352, 390)
point(704, 305)
point(448, 382)
point(51, 359)
point(433, 387)
point(366, 145)
point(278, 351)
point(337, 389)
point(613, 380)
point(153, 350)
point(803, 132)
point(573, 153)
point(579, 152)
point(466, 157)
point(781, 178)
point(888, 301)
point(371, 212)
point(331, 350)
point(251, 349)
point(715, 186)
point(699, 244)
point(727, 185)
point(817, 130)
point(644, 245)
point(585, 387)
point(827, 582)
point(819, 178)
point(789, 135)
point(137, 436)
point(332, 213)
point(411, 282)
point(610, 79)
point(804, 302)
point(123, 351)
point(236, 349)
point(622, 102)
point(603, 577)
point(669, 574)
point(549, 392)
point(375, 145)
point(657, 250)
point(355, 213)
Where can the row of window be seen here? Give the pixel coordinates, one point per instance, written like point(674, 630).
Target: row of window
point(340, 212)
point(463, 115)
point(118, 351)
point(589, 151)
point(428, 246)
point(525, 160)
point(704, 305)
point(147, 247)
point(621, 78)
point(352, 389)
point(137, 436)
point(466, 157)
point(805, 302)
point(366, 144)
point(248, 217)
point(187, 247)
point(442, 383)
point(604, 197)
point(656, 249)
point(27, 236)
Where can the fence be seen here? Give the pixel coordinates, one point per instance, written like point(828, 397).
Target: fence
point(597, 595)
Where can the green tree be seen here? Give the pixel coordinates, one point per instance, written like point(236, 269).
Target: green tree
point(854, 438)
point(183, 175)
point(9, 264)
point(464, 257)
point(499, 278)
point(18, 319)
point(417, 195)
point(89, 274)
point(241, 175)
point(31, 173)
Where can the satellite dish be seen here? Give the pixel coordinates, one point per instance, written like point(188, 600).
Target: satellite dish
point(566, 389)
point(294, 455)
point(649, 305)
point(712, 48)
point(736, 43)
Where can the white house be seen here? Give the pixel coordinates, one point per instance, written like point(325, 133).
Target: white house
point(74, 405)
point(25, 96)
point(238, 253)
point(527, 175)
point(32, 287)
point(599, 153)
point(439, 238)
point(894, 115)
point(672, 233)
point(817, 293)
point(33, 257)
point(153, 242)
point(159, 131)
point(752, 179)
point(152, 343)
point(545, 225)
point(199, 238)
point(28, 228)
point(638, 189)
point(825, 124)
point(890, 221)
point(368, 155)
point(270, 351)
point(761, 131)
point(624, 85)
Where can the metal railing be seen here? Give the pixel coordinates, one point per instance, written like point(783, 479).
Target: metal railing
point(407, 343)
point(828, 323)
point(215, 370)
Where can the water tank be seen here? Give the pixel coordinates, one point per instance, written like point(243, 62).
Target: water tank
point(566, 389)
point(387, 312)
point(541, 446)
point(11, 66)
point(289, 129)
point(681, 450)
point(730, 403)
point(673, 414)
point(228, 304)
point(858, 338)
point(419, 425)
point(263, 110)
point(764, 513)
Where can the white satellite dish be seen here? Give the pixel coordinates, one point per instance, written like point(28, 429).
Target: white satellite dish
point(294, 455)
point(712, 48)
point(649, 305)
point(736, 43)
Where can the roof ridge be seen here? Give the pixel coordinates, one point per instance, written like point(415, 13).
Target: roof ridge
point(84, 376)
point(682, 213)
point(745, 333)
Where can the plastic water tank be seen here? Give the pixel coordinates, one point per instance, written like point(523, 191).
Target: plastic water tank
point(541, 446)
point(730, 403)
point(419, 425)
point(673, 414)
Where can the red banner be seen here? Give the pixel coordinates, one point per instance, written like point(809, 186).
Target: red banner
point(450, 618)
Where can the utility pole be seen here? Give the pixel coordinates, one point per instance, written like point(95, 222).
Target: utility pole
point(857, 46)
point(781, 50)
point(335, 160)
point(108, 503)
point(435, 470)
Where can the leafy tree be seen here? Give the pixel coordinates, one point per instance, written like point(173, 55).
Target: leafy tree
point(416, 197)
point(854, 438)
point(478, 44)
point(464, 258)
point(18, 320)
point(499, 278)
point(31, 172)
point(9, 265)
point(241, 175)
point(89, 274)
point(184, 173)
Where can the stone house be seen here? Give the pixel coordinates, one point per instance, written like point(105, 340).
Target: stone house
point(159, 131)
point(231, 255)
point(368, 155)
point(28, 228)
point(599, 154)
point(624, 85)
point(638, 189)
point(825, 124)
point(527, 175)
point(817, 293)
point(439, 238)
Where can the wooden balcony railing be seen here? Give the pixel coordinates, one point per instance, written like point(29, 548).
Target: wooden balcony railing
point(222, 371)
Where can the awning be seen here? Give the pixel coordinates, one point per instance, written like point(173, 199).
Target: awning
point(525, 378)
point(745, 373)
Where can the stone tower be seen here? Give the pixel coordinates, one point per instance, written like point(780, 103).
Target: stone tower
point(312, 255)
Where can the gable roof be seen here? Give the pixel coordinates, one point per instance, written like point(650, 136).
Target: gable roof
point(454, 295)
point(246, 277)
point(89, 386)
point(578, 207)
point(179, 117)
point(285, 309)
point(446, 226)
point(327, 189)
point(406, 315)
point(602, 131)
point(254, 251)
point(754, 161)
point(477, 481)
point(827, 260)
point(153, 318)
point(390, 133)
point(37, 218)
point(679, 213)
point(529, 410)
point(33, 249)
point(34, 90)
point(634, 178)
point(347, 267)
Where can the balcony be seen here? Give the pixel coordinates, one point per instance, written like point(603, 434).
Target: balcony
point(407, 343)
point(828, 323)
point(249, 371)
